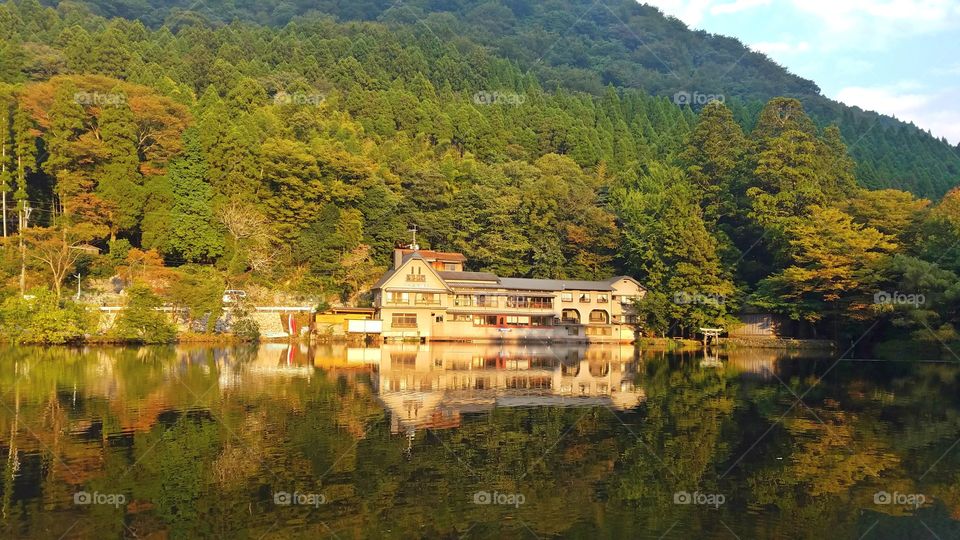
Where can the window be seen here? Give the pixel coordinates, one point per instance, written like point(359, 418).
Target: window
point(426, 298)
point(518, 320)
point(398, 298)
point(462, 317)
point(584, 298)
point(602, 298)
point(404, 320)
point(567, 297)
point(451, 267)
point(534, 302)
point(463, 300)
point(599, 316)
point(486, 301)
point(485, 320)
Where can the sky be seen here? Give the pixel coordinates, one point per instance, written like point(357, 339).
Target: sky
point(897, 57)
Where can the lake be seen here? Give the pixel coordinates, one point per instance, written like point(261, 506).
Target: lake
point(474, 441)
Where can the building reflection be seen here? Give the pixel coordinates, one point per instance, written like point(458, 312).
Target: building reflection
point(433, 386)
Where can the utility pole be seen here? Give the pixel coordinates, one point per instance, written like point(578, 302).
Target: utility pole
point(24, 219)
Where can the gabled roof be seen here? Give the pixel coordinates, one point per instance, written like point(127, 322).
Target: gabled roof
point(414, 256)
point(469, 276)
point(628, 278)
point(492, 281)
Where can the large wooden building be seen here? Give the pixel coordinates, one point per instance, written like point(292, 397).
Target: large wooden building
point(427, 296)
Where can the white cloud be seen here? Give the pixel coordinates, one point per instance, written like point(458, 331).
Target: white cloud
point(855, 49)
point(876, 24)
point(933, 110)
point(688, 11)
point(737, 6)
point(692, 12)
point(771, 48)
point(869, 24)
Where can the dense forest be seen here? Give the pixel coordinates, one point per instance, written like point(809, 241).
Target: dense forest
point(585, 46)
point(294, 158)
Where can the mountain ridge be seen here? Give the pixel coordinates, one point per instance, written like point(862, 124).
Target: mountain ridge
point(584, 45)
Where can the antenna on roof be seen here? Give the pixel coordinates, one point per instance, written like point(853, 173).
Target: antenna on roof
point(413, 229)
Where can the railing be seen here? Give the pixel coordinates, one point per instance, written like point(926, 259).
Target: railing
point(530, 304)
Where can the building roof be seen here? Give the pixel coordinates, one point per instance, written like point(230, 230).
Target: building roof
point(531, 284)
point(487, 280)
point(469, 276)
point(431, 255)
point(384, 278)
point(412, 256)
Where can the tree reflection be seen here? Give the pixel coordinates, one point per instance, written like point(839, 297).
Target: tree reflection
point(597, 441)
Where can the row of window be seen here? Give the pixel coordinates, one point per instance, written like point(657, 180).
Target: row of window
point(481, 300)
point(583, 298)
point(409, 320)
point(403, 298)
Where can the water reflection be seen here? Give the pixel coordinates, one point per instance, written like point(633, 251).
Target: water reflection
point(399, 439)
point(432, 386)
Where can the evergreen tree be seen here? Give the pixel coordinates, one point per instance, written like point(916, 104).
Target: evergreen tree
point(119, 180)
point(66, 124)
point(7, 104)
point(668, 247)
point(713, 153)
point(194, 235)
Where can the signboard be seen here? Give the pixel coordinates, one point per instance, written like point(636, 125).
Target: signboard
point(364, 327)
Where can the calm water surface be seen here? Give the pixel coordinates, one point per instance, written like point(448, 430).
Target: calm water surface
point(466, 441)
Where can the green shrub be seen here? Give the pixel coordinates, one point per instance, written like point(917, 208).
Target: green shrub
point(41, 318)
point(246, 329)
point(199, 289)
point(140, 322)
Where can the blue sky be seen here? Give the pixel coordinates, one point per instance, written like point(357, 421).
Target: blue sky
point(898, 57)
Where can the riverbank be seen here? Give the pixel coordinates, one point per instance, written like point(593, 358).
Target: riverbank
point(778, 343)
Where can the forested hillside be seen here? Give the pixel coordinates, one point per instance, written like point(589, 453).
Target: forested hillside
point(296, 157)
point(585, 45)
